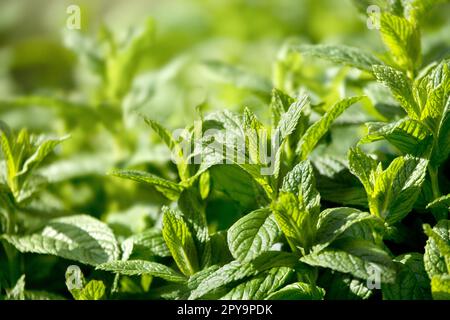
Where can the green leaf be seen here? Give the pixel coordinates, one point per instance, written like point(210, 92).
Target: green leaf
point(23, 153)
point(45, 147)
point(162, 132)
point(180, 242)
point(253, 130)
point(343, 286)
point(315, 132)
point(94, 290)
point(236, 270)
point(297, 207)
point(442, 145)
point(177, 151)
point(434, 107)
point(401, 88)
point(149, 242)
point(441, 202)
point(81, 238)
point(220, 253)
point(279, 104)
point(411, 283)
point(437, 249)
point(440, 287)
point(364, 167)
point(204, 185)
point(140, 267)
point(294, 222)
point(42, 295)
point(229, 273)
point(254, 233)
point(301, 182)
point(360, 258)
point(402, 38)
point(407, 135)
point(195, 216)
point(260, 286)
point(397, 188)
point(335, 221)
point(290, 118)
point(336, 183)
point(122, 60)
point(298, 291)
point(18, 291)
point(170, 189)
point(341, 54)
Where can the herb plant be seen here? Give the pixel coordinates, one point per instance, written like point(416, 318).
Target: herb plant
point(239, 205)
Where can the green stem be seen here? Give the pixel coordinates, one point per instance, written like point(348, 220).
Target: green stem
point(434, 181)
point(434, 178)
point(13, 263)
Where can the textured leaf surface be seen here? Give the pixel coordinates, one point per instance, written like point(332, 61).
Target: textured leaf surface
point(440, 287)
point(170, 189)
point(341, 54)
point(298, 291)
point(140, 267)
point(81, 238)
point(235, 271)
point(315, 132)
point(359, 258)
point(252, 234)
point(398, 187)
point(401, 88)
point(402, 39)
point(260, 286)
point(180, 242)
point(411, 283)
point(333, 222)
point(435, 249)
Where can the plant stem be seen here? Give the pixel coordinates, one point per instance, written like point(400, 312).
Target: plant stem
point(434, 178)
point(434, 181)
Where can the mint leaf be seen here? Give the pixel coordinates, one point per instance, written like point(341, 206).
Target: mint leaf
point(360, 258)
point(364, 167)
point(298, 291)
point(94, 290)
point(440, 287)
point(334, 222)
point(180, 242)
point(437, 249)
point(279, 104)
point(236, 270)
point(401, 88)
point(341, 54)
point(411, 283)
point(441, 202)
point(149, 242)
point(343, 286)
point(254, 233)
point(301, 182)
point(315, 132)
point(407, 135)
point(260, 286)
point(140, 267)
point(391, 193)
point(81, 238)
point(402, 38)
point(170, 189)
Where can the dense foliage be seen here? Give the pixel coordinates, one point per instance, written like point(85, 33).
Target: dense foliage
point(340, 189)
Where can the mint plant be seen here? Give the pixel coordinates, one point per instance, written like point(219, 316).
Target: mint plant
point(291, 201)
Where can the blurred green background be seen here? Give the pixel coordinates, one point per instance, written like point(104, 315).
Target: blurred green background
point(164, 59)
point(168, 60)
